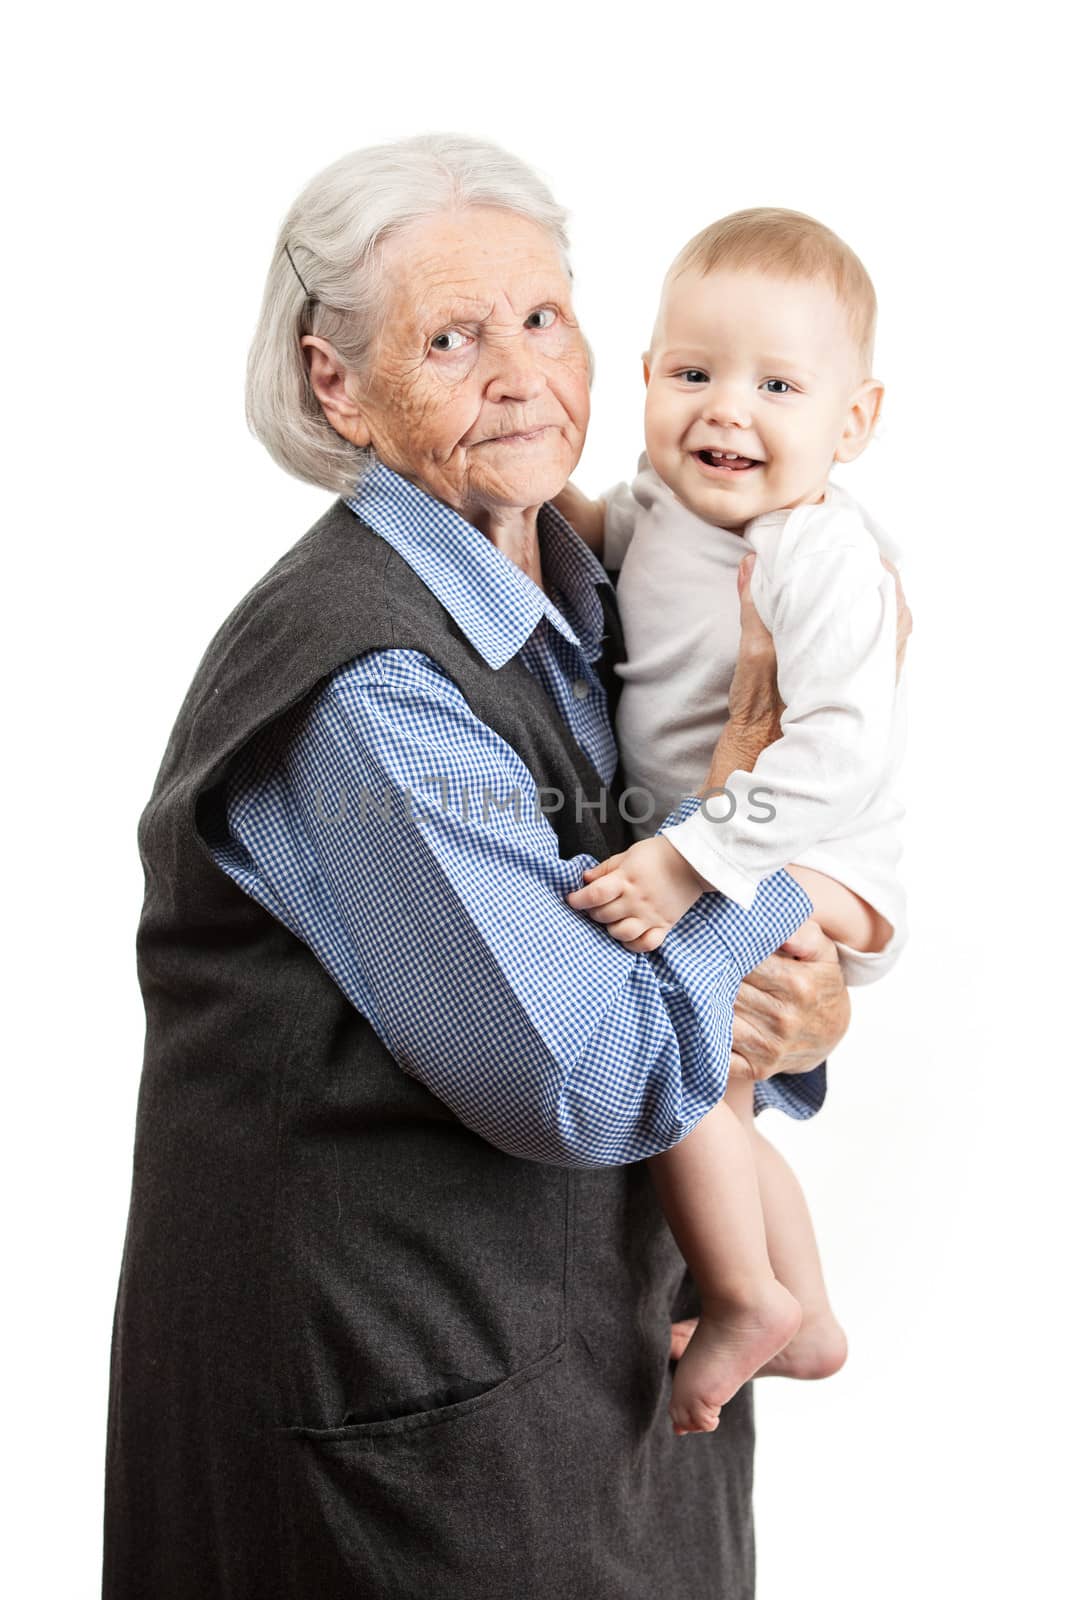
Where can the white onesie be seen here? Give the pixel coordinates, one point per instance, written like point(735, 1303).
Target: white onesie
point(829, 604)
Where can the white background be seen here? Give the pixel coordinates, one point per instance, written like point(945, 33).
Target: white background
point(151, 158)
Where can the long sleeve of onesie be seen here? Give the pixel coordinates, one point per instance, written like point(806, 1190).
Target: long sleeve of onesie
point(829, 604)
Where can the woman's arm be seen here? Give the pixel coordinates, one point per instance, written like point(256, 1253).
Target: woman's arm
point(402, 839)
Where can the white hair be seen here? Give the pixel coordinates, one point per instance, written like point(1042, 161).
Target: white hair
point(325, 278)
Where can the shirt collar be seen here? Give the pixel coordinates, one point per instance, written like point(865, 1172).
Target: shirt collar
point(493, 601)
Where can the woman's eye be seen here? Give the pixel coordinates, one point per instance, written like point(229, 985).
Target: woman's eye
point(694, 375)
point(777, 386)
point(443, 342)
point(543, 311)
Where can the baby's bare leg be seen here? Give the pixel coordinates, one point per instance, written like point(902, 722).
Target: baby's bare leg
point(818, 1348)
point(708, 1188)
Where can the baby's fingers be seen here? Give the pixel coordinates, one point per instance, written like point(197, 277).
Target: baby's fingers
point(610, 864)
point(628, 930)
point(599, 893)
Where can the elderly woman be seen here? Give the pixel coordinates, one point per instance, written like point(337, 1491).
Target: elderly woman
point(395, 1309)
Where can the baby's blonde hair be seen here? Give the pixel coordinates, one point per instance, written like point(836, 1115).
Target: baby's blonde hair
point(787, 244)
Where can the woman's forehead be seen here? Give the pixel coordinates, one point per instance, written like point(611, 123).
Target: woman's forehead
point(473, 264)
point(475, 303)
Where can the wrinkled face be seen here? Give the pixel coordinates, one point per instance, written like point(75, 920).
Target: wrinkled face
point(749, 392)
point(478, 389)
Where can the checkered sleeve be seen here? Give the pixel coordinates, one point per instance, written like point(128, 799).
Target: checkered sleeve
point(400, 837)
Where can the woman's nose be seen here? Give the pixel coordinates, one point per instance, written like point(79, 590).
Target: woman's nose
point(515, 373)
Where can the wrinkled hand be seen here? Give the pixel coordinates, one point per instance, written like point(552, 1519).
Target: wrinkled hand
point(904, 621)
point(791, 1010)
point(640, 893)
point(755, 706)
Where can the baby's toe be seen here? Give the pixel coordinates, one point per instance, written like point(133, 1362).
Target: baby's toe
point(706, 1420)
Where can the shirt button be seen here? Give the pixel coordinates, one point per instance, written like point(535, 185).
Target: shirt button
point(580, 688)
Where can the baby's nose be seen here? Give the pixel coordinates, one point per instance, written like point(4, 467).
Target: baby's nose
point(728, 410)
point(727, 406)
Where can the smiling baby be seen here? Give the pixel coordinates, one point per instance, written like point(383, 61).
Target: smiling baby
point(758, 382)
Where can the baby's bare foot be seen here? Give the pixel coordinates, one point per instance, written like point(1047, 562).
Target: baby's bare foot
point(731, 1342)
point(817, 1350)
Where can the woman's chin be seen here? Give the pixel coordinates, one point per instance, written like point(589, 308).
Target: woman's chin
point(532, 487)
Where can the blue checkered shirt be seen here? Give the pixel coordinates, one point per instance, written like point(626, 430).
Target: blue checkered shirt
point(618, 1055)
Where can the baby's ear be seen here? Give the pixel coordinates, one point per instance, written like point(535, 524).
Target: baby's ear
point(646, 359)
point(861, 415)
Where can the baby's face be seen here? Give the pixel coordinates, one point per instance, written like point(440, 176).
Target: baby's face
point(759, 367)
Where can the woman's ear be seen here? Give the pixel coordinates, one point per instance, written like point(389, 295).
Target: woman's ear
point(861, 415)
point(330, 380)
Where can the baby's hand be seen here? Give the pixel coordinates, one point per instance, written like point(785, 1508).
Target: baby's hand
point(639, 894)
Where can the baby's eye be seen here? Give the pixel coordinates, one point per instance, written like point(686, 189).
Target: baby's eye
point(777, 386)
point(443, 342)
point(694, 375)
point(543, 311)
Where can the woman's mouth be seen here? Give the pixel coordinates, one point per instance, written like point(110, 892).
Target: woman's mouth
point(724, 463)
point(519, 438)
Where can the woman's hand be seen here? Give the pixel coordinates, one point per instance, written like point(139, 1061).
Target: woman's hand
point(755, 706)
point(904, 622)
point(791, 1010)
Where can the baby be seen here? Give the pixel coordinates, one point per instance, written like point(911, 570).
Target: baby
point(758, 381)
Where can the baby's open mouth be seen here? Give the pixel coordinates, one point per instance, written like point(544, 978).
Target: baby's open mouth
point(726, 460)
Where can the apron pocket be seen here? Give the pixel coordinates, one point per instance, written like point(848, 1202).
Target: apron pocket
point(434, 1504)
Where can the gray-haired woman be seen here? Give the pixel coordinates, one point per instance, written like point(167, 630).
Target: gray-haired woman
point(395, 1308)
